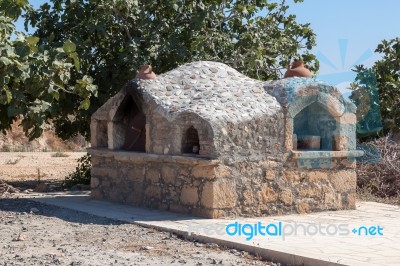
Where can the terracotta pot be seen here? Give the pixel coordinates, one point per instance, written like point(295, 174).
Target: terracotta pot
point(146, 72)
point(298, 69)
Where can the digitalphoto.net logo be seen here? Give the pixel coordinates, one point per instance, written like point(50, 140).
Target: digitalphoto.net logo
point(362, 92)
point(284, 230)
point(339, 74)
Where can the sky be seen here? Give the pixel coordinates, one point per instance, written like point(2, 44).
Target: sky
point(348, 32)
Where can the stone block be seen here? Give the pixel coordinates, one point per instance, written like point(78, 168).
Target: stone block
point(104, 172)
point(267, 194)
point(171, 194)
point(348, 163)
point(333, 200)
point(219, 194)
point(148, 137)
point(299, 103)
point(223, 171)
point(153, 175)
point(184, 171)
point(96, 161)
point(310, 192)
point(153, 192)
point(116, 133)
point(242, 168)
point(268, 164)
point(289, 136)
point(351, 200)
point(94, 136)
point(94, 182)
point(344, 180)
point(347, 118)
point(158, 149)
point(189, 195)
point(292, 177)
point(303, 207)
point(294, 142)
point(340, 143)
point(248, 198)
point(206, 172)
point(326, 188)
point(270, 174)
point(286, 197)
point(333, 104)
point(316, 176)
point(136, 174)
point(306, 92)
point(168, 174)
point(313, 163)
point(135, 197)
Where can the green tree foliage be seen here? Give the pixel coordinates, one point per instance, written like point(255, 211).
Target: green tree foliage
point(384, 75)
point(365, 96)
point(37, 79)
point(108, 39)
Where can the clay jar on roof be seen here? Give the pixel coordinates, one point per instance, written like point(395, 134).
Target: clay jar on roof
point(298, 69)
point(146, 72)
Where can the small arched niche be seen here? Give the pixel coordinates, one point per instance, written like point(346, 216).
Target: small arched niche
point(129, 127)
point(190, 141)
point(314, 128)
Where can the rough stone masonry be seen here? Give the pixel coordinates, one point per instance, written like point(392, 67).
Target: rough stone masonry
point(207, 140)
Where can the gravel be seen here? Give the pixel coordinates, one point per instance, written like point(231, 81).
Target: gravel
point(32, 233)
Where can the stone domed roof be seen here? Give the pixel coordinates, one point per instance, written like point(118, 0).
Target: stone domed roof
point(296, 93)
point(214, 91)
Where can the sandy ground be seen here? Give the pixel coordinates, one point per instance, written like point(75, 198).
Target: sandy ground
point(22, 169)
point(36, 234)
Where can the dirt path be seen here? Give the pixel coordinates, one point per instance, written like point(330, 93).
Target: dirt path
point(35, 234)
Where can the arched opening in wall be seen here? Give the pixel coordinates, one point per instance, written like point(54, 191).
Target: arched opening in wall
point(130, 126)
point(190, 141)
point(314, 128)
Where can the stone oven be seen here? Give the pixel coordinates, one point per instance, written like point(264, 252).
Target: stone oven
point(207, 140)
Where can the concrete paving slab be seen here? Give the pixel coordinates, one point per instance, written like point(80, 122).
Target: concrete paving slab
point(324, 238)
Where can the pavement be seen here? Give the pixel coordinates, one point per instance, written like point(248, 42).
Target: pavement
point(369, 235)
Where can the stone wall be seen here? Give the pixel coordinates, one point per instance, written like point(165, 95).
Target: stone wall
point(166, 137)
point(272, 187)
point(176, 183)
point(212, 189)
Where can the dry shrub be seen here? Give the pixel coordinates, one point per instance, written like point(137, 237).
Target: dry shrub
point(380, 177)
point(81, 175)
point(16, 141)
point(56, 144)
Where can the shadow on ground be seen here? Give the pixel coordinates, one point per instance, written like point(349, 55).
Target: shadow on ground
point(23, 206)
